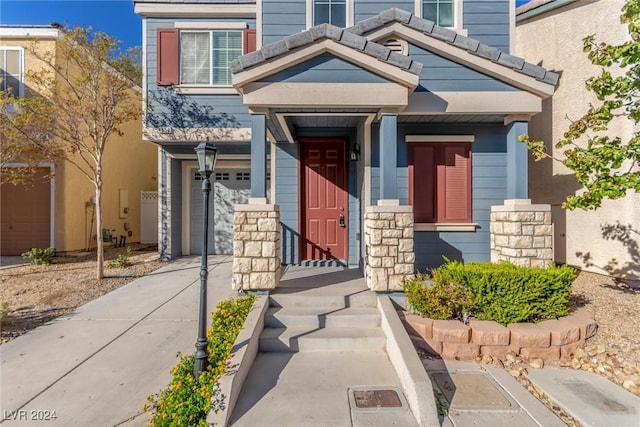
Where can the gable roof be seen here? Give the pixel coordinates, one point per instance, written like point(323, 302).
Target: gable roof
point(325, 32)
point(467, 44)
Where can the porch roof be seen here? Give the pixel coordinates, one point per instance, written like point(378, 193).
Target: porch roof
point(314, 36)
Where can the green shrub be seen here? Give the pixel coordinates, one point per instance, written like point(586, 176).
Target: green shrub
point(439, 299)
point(121, 261)
point(39, 256)
point(5, 309)
point(507, 293)
point(186, 401)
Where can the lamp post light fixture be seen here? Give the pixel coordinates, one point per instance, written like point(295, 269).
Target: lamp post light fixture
point(207, 156)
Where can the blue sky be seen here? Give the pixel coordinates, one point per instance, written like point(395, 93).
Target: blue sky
point(114, 17)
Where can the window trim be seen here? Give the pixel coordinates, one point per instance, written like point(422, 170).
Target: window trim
point(22, 70)
point(212, 85)
point(447, 140)
point(350, 13)
point(458, 15)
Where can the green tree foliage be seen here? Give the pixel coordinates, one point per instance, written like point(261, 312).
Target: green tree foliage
point(603, 163)
point(75, 104)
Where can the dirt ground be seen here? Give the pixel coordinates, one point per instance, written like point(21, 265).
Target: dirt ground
point(32, 295)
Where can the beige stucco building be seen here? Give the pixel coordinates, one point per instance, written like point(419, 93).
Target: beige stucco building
point(550, 33)
point(59, 212)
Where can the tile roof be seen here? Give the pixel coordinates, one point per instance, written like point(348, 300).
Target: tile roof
point(353, 37)
point(450, 36)
point(329, 32)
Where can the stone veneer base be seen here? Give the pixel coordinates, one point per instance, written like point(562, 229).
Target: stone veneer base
point(549, 340)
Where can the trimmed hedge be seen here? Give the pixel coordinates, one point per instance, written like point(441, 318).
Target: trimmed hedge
point(501, 292)
point(186, 402)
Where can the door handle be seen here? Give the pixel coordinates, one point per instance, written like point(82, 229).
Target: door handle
point(342, 224)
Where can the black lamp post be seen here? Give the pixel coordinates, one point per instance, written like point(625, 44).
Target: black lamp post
point(207, 156)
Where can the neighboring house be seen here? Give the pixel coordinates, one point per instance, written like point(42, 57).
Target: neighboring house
point(380, 107)
point(58, 211)
point(550, 33)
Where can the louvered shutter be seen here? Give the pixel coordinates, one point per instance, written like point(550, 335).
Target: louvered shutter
point(422, 182)
point(454, 183)
point(168, 56)
point(249, 41)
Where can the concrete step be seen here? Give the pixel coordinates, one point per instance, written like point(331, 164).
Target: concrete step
point(356, 299)
point(326, 339)
point(319, 317)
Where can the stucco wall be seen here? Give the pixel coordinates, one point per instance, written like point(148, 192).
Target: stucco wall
point(129, 163)
point(602, 241)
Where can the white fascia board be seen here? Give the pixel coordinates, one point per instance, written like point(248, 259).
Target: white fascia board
point(212, 25)
point(473, 102)
point(30, 32)
point(200, 10)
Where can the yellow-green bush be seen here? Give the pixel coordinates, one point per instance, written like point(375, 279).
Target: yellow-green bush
point(438, 299)
point(186, 402)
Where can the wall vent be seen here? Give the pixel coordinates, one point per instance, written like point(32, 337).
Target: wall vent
point(396, 45)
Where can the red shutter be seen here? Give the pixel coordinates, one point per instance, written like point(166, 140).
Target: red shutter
point(249, 41)
point(454, 183)
point(168, 58)
point(422, 182)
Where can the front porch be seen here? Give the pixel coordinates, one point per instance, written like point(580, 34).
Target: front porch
point(375, 162)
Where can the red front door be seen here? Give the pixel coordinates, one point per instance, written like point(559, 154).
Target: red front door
point(324, 213)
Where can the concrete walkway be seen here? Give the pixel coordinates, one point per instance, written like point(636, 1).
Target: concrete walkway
point(307, 377)
point(97, 365)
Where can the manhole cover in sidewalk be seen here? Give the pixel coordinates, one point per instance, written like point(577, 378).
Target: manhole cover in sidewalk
point(377, 399)
point(470, 391)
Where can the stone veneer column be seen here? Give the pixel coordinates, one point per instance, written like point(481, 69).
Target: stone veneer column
point(256, 245)
point(388, 236)
point(521, 233)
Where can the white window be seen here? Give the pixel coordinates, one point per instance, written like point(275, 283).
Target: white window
point(205, 56)
point(439, 11)
point(332, 12)
point(445, 13)
point(12, 70)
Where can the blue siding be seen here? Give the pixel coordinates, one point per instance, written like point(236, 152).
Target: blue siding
point(287, 197)
point(228, 103)
point(326, 68)
point(489, 187)
point(281, 18)
point(488, 22)
point(485, 20)
point(367, 8)
point(441, 74)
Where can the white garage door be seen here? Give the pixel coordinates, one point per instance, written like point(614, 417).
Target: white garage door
point(230, 187)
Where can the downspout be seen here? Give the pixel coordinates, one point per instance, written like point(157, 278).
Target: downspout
point(164, 256)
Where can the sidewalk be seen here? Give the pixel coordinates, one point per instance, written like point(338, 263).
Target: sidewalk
point(97, 365)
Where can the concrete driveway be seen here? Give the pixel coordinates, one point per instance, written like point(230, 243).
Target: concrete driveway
point(97, 365)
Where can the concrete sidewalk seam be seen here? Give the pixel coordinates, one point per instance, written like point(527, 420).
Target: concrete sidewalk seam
point(136, 323)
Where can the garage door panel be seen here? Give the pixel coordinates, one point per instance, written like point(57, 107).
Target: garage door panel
point(231, 187)
point(26, 215)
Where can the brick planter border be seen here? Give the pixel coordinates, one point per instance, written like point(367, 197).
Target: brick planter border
point(548, 340)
